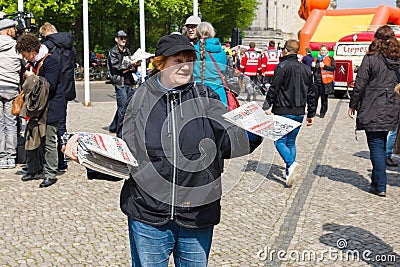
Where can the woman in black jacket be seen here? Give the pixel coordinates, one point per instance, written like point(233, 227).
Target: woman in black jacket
point(175, 130)
point(375, 101)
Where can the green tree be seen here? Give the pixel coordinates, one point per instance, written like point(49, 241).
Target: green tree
point(226, 15)
point(107, 17)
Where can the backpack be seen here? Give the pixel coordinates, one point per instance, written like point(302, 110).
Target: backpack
point(66, 57)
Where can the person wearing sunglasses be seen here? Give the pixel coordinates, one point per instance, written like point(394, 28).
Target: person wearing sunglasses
point(191, 28)
point(121, 69)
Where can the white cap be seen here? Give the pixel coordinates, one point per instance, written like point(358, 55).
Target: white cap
point(193, 20)
point(7, 23)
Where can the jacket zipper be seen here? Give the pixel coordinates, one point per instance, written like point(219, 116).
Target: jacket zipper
point(174, 158)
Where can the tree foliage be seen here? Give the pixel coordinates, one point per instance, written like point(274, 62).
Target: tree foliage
point(106, 17)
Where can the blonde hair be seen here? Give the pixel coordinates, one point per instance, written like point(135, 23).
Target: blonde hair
point(47, 28)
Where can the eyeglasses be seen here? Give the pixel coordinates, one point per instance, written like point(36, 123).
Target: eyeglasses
point(122, 38)
point(191, 26)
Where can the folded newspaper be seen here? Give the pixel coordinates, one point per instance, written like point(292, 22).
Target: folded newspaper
point(253, 118)
point(140, 54)
point(105, 153)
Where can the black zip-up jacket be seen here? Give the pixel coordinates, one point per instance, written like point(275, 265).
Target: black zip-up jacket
point(180, 154)
point(117, 66)
point(373, 95)
point(291, 89)
point(66, 55)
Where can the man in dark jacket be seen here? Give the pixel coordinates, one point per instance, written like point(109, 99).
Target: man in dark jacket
point(60, 44)
point(290, 91)
point(121, 68)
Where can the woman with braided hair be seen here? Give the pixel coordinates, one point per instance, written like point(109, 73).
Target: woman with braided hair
point(207, 49)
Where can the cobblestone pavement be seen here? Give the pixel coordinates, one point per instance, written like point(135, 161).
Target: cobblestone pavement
point(327, 219)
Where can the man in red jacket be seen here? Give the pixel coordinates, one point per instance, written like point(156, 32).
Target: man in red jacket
point(269, 61)
point(250, 65)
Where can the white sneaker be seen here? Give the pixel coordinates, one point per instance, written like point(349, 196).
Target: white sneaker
point(3, 164)
point(10, 163)
point(290, 177)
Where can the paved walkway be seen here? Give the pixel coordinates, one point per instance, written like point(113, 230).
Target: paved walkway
point(327, 219)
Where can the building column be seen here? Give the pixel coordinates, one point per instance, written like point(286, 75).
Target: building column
point(271, 14)
point(279, 14)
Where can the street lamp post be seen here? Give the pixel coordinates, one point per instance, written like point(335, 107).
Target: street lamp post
point(142, 36)
point(195, 7)
point(86, 52)
point(20, 5)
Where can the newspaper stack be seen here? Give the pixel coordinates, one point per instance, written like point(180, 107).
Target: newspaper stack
point(106, 154)
point(252, 118)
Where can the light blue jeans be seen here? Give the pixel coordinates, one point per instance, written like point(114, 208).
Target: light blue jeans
point(8, 131)
point(152, 246)
point(390, 143)
point(286, 145)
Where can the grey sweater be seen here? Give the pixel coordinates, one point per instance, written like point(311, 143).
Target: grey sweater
point(10, 68)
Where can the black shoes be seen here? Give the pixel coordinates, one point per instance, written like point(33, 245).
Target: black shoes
point(322, 115)
point(38, 176)
point(390, 162)
point(47, 182)
point(374, 191)
point(32, 176)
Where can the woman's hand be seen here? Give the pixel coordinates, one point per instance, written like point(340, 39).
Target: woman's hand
point(352, 113)
point(29, 72)
point(71, 149)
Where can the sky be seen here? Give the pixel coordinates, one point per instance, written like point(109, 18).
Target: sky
point(341, 4)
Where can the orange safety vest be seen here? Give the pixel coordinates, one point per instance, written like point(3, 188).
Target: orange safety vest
point(326, 75)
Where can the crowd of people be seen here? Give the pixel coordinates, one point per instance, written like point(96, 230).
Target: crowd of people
point(172, 199)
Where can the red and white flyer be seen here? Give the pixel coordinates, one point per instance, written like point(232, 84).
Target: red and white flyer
point(253, 118)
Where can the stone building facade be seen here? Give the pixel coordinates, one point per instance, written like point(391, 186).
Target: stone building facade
point(276, 20)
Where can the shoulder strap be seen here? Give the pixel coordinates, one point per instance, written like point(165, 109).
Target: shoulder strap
point(41, 63)
point(219, 72)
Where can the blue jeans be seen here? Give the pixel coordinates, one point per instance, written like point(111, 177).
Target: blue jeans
point(121, 95)
point(151, 246)
point(286, 145)
point(390, 143)
point(377, 149)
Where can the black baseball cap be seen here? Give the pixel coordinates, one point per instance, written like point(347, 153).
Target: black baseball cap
point(169, 45)
point(121, 33)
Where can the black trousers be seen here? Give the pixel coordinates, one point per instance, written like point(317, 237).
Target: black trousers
point(320, 90)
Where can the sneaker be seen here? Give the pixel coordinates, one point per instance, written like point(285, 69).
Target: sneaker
point(7, 164)
point(3, 164)
point(290, 177)
point(62, 170)
point(11, 163)
point(390, 162)
point(374, 191)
